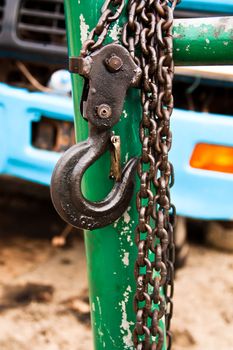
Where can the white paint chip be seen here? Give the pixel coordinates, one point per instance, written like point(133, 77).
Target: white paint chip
point(115, 32)
point(99, 306)
point(124, 114)
point(125, 259)
point(125, 324)
point(126, 216)
point(84, 29)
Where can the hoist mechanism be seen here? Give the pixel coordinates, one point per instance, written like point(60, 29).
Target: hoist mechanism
point(109, 72)
point(142, 58)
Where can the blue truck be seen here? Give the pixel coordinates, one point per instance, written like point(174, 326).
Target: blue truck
point(37, 117)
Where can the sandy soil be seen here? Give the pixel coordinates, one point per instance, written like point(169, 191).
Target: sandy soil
point(43, 293)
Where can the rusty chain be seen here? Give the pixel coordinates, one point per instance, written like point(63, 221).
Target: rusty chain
point(147, 35)
point(149, 32)
point(110, 12)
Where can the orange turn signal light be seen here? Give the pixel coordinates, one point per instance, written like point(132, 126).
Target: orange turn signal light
point(212, 157)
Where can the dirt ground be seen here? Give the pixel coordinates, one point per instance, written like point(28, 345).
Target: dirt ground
point(43, 290)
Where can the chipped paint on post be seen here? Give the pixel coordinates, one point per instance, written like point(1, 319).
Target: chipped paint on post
point(125, 324)
point(124, 114)
point(84, 29)
point(126, 216)
point(101, 328)
point(126, 157)
point(202, 41)
point(115, 32)
point(99, 306)
point(125, 259)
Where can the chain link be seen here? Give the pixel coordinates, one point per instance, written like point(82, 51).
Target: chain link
point(110, 12)
point(148, 37)
point(149, 32)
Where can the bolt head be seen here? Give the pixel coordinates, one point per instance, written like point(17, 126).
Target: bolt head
point(104, 111)
point(114, 63)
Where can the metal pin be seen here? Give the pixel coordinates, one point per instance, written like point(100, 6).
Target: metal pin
point(115, 171)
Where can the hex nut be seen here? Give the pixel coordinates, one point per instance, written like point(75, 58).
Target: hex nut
point(114, 63)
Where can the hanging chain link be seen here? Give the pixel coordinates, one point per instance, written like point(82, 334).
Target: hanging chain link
point(147, 35)
point(149, 32)
point(110, 12)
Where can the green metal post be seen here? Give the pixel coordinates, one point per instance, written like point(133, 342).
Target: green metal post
point(203, 41)
point(111, 251)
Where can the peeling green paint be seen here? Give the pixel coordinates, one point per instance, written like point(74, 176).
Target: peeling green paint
point(203, 41)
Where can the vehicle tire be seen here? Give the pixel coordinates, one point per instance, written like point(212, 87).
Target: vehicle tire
point(181, 244)
point(220, 235)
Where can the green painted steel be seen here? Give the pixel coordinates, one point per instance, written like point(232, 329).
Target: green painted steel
point(111, 251)
point(203, 41)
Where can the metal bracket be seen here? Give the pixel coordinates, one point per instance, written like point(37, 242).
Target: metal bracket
point(110, 72)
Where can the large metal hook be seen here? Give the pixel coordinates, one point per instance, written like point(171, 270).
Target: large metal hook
point(66, 190)
point(102, 109)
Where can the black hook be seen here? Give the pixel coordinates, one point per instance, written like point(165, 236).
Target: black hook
point(66, 189)
point(110, 72)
